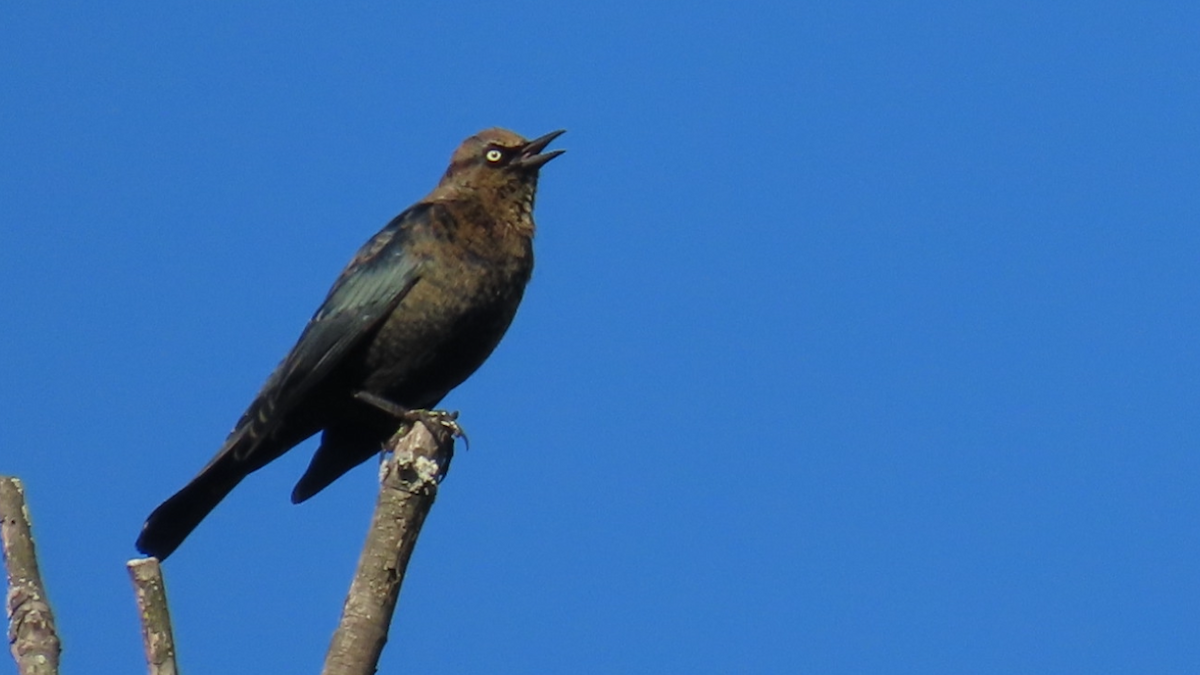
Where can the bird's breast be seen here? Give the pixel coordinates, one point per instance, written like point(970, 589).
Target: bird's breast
point(445, 327)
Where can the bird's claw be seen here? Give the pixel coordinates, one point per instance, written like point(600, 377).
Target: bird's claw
point(445, 419)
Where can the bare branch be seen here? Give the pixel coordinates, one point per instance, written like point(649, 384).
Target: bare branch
point(151, 593)
point(32, 637)
point(420, 459)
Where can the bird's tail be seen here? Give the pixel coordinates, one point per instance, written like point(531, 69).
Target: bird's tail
point(174, 519)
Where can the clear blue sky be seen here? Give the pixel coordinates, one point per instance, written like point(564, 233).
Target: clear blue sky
point(863, 336)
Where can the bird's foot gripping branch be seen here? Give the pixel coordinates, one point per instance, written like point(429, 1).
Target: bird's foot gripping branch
point(447, 419)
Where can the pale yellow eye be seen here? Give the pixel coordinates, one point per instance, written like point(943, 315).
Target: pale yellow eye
point(494, 155)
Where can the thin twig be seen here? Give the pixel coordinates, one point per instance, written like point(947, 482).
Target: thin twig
point(420, 459)
point(151, 593)
point(32, 637)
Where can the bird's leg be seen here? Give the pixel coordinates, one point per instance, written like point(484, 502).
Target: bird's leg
point(444, 418)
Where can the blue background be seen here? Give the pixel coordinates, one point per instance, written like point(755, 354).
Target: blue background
point(862, 337)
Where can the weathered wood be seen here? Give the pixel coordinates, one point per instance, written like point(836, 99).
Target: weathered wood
point(157, 637)
point(420, 459)
point(32, 637)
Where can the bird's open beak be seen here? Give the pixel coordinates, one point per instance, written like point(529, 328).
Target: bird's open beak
point(530, 159)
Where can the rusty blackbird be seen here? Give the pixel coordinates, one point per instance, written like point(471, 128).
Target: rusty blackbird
point(417, 310)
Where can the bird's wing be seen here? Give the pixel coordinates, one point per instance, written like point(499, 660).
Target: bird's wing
point(381, 274)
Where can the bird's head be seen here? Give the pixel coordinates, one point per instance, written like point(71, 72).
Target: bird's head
point(497, 164)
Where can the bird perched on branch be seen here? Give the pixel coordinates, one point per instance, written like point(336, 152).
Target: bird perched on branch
point(418, 309)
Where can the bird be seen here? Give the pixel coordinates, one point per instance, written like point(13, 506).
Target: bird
point(417, 310)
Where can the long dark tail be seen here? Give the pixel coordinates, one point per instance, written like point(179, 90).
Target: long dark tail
point(175, 518)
